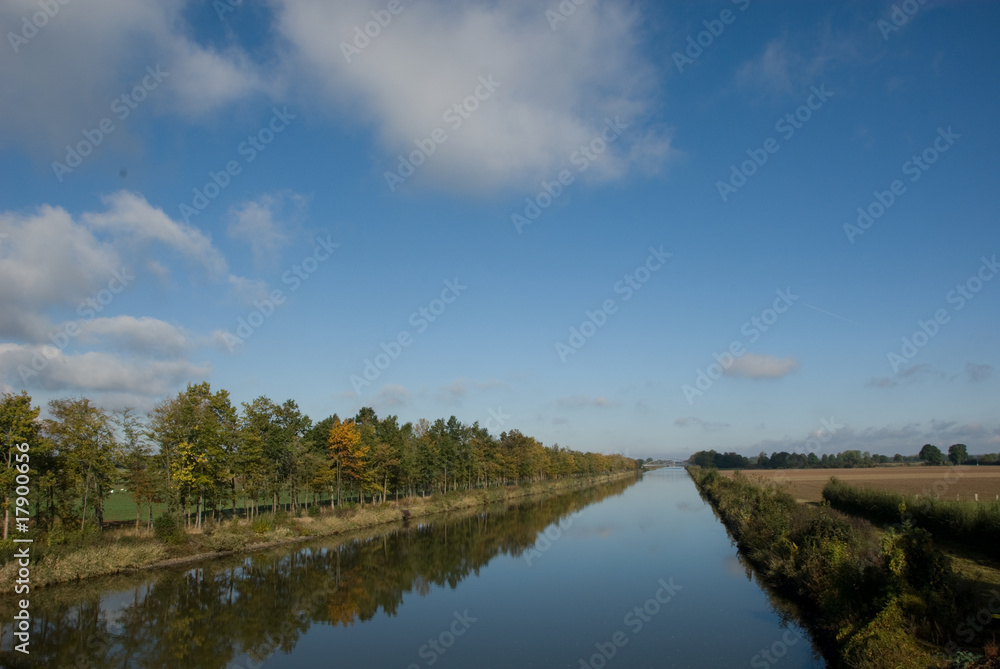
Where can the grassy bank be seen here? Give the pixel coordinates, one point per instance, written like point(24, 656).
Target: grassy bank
point(973, 524)
point(872, 599)
point(59, 558)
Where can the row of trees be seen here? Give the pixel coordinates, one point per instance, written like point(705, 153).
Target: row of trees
point(199, 452)
point(930, 454)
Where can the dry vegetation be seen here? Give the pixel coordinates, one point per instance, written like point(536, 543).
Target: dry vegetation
point(946, 482)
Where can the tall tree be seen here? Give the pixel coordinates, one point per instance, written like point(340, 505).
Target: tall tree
point(931, 454)
point(347, 453)
point(17, 426)
point(958, 453)
point(84, 437)
point(135, 453)
point(206, 424)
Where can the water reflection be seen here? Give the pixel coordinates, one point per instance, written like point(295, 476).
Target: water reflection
point(239, 612)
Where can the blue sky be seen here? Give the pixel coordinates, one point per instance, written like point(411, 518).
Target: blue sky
point(248, 161)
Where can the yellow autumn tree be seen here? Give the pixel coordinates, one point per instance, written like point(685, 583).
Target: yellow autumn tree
point(347, 452)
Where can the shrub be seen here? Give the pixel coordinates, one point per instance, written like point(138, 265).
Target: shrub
point(58, 536)
point(168, 529)
point(225, 541)
point(261, 525)
point(973, 524)
point(884, 642)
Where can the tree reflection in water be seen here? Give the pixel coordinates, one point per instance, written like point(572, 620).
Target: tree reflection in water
point(254, 605)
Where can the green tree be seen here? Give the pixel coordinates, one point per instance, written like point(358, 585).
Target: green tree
point(206, 423)
point(958, 453)
point(140, 475)
point(931, 454)
point(84, 438)
point(17, 426)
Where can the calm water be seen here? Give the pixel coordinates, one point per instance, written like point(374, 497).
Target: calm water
point(628, 575)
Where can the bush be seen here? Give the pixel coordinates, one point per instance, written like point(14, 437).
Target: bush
point(974, 524)
point(224, 541)
point(884, 642)
point(261, 525)
point(167, 528)
point(58, 536)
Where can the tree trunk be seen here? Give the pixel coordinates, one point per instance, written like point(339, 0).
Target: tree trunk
point(86, 489)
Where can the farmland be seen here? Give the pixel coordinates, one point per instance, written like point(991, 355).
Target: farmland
point(963, 482)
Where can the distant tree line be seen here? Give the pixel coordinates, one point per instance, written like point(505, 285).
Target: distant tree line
point(958, 454)
point(198, 453)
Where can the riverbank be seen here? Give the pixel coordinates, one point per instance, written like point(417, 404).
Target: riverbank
point(122, 551)
point(871, 599)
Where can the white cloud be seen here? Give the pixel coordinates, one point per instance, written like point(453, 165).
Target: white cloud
point(49, 368)
point(706, 426)
point(978, 372)
point(260, 223)
point(391, 396)
point(759, 366)
point(47, 260)
point(770, 70)
point(248, 290)
point(144, 335)
point(130, 214)
point(556, 88)
point(89, 53)
point(460, 387)
point(786, 67)
point(582, 401)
